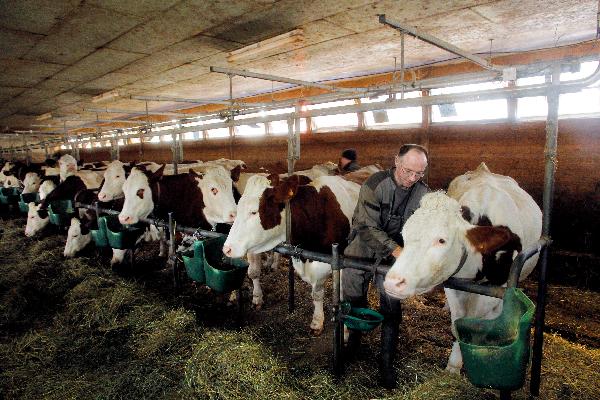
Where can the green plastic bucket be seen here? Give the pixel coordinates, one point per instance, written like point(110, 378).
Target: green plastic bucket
point(194, 262)
point(496, 352)
point(27, 198)
point(9, 196)
point(361, 319)
point(222, 274)
point(61, 212)
point(122, 236)
point(99, 235)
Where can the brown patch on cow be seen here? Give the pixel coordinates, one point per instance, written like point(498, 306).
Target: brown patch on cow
point(357, 176)
point(235, 173)
point(466, 213)
point(497, 245)
point(317, 217)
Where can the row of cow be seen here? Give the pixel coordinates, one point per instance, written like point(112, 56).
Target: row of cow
point(484, 218)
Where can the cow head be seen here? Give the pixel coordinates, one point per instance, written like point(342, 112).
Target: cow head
point(435, 237)
point(138, 195)
point(67, 165)
point(259, 225)
point(78, 237)
point(12, 181)
point(46, 188)
point(36, 220)
point(216, 185)
point(114, 178)
point(31, 183)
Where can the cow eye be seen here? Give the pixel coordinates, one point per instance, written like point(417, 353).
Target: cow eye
point(214, 191)
point(140, 193)
point(254, 213)
point(75, 236)
point(441, 241)
point(118, 176)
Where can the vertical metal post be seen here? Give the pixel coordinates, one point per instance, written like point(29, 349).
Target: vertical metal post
point(293, 155)
point(231, 117)
point(174, 151)
point(402, 65)
point(338, 360)
point(551, 161)
point(27, 150)
point(46, 154)
point(75, 147)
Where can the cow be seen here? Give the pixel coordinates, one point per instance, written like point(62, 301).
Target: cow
point(486, 218)
point(66, 190)
point(199, 199)
point(321, 213)
point(68, 166)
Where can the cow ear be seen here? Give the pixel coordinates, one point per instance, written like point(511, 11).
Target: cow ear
point(488, 239)
point(274, 179)
point(43, 214)
point(156, 175)
point(235, 173)
point(287, 189)
point(303, 180)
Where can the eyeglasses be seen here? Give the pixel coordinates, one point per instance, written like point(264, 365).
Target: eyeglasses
point(411, 173)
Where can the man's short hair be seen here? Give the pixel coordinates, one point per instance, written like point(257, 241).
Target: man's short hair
point(405, 148)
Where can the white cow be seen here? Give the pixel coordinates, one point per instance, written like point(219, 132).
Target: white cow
point(321, 213)
point(32, 182)
point(497, 219)
point(35, 222)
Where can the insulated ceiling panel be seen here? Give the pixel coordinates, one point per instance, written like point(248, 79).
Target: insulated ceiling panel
point(16, 44)
point(24, 73)
point(36, 16)
point(97, 64)
point(87, 29)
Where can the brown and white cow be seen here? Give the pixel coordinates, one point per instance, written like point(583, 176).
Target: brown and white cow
point(321, 213)
point(490, 219)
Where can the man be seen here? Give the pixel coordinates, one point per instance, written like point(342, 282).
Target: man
point(347, 162)
point(386, 200)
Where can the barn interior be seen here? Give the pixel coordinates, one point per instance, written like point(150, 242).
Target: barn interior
point(153, 80)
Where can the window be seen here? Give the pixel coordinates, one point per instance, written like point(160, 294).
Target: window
point(281, 127)
point(396, 116)
point(250, 129)
point(471, 110)
point(328, 122)
point(192, 135)
point(218, 133)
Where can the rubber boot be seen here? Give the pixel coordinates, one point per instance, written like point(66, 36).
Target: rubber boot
point(390, 329)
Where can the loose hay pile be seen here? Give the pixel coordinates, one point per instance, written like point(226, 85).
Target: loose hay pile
point(74, 329)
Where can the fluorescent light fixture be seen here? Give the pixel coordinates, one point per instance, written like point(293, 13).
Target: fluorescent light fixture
point(105, 96)
point(295, 37)
point(44, 117)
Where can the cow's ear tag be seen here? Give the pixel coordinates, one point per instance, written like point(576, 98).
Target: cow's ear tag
point(291, 193)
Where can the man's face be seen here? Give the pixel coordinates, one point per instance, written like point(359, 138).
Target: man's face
point(410, 168)
point(343, 162)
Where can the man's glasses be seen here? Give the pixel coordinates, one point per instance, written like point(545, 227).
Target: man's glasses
point(411, 173)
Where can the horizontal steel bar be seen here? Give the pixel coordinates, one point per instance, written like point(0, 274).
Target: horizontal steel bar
point(268, 77)
point(442, 44)
point(140, 112)
point(196, 101)
point(466, 285)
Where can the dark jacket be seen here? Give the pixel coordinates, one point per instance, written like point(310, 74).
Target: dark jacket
point(350, 167)
point(375, 233)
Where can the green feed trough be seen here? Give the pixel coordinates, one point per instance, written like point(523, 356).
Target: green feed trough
point(61, 212)
point(220, 273)
point(361, 319)
point(122, 236)
point(9, 196)
point(100, 235)
point(194, 262)
point(27, 198)
point(496, 352)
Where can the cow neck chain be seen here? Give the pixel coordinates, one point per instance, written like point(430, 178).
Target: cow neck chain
point(461, 264)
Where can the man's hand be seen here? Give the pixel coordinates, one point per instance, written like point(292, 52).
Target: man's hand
point(397, 251)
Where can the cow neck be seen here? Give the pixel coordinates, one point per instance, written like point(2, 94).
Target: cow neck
point(461, 264)
point(156, 195)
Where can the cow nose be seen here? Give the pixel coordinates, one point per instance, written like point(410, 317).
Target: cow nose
point(101, 196)
point(124, 219)
point(394, 284)
point(227, 250)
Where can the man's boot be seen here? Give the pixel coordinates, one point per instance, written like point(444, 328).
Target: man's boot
point(390, 328)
